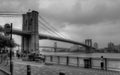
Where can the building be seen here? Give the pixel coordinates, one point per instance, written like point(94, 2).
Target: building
point(111, 45)
point(117, 48)
point(96, 45)
point(74, 48)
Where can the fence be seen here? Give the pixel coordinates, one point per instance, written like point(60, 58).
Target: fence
point(4, 60)
point(85, 62)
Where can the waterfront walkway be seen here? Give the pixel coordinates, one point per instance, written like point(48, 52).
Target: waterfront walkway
point(4, 68)
point(41, 69)
point(55, 70)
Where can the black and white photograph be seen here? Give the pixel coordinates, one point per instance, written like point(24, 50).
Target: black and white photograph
point(59, 37)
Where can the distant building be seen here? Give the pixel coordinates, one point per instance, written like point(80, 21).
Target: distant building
point(77, 48)
point(117, 48)
point(111, 45)
point(82, 49)
point(96, 45)
point(112, 48)
point(74, 48)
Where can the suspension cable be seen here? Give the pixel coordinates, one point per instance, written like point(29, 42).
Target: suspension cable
point(46, 29)
point(51, 25)
point(54, 31)
point(49, 29)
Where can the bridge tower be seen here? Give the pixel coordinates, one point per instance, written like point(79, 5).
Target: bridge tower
point(30, 24)
point(89, 43)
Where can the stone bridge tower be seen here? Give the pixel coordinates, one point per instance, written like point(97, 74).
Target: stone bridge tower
point(89, 43)
point(30, 24)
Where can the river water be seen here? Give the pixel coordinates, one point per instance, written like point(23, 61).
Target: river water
point(96, 55)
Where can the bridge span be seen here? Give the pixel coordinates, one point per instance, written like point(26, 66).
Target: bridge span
point(31, 36)
point(44, 36)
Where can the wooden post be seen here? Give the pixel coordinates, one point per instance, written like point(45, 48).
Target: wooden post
point(58, 59)
point(61, 73)
point(106, 63)
point(67, 63)
point(44, 59)
point(90, 62)
point(78, 61)
point(51, 58)
point(11, 62)
point(28, 70)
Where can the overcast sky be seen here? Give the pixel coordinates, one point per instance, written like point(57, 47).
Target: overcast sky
point(76, 19)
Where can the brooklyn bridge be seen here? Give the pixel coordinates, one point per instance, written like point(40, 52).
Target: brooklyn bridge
point(30, 35)
point(50, 64)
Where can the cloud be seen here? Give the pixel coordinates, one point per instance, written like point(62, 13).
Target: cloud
point(18, 5)
point(103, 33)
point(79, 19)
point(86, 12)
point(80, 12)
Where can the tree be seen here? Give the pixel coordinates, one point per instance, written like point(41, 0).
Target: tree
point(1, 28)
point(6, 42)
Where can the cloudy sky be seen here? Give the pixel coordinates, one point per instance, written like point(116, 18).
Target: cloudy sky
point(76, 19)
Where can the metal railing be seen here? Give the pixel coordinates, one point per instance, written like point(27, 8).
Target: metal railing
point(4, 60)
point(85, 62)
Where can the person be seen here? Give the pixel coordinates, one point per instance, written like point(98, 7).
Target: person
point(102, 63)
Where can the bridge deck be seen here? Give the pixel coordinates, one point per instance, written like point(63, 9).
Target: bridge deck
point(43, 36)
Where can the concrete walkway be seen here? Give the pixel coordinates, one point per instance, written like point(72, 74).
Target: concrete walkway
point(4, 68)
point(42, 69)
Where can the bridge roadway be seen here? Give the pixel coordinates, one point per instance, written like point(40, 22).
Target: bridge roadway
point(52, 47)
point(43, 36)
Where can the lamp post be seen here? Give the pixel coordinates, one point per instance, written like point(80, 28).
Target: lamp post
point(8, 31)
point(11, 63)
